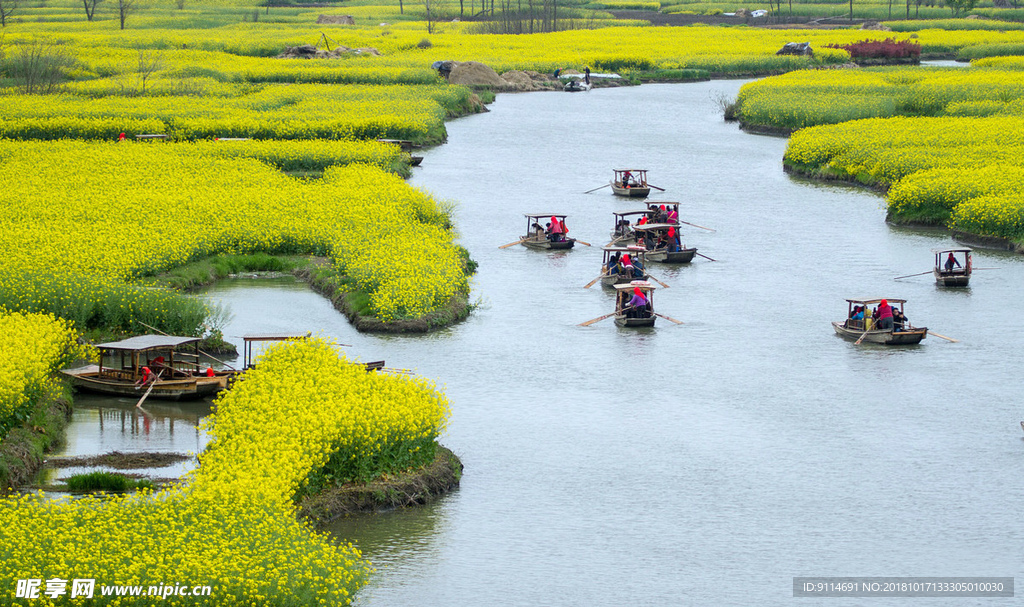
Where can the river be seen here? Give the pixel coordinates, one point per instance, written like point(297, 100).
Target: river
point(707, 463)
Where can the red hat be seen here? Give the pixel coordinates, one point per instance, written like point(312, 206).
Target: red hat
point(885, 302)
point(637, 291)
point(671, 232)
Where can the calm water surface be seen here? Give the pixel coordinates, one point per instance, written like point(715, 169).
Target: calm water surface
point(702, 464)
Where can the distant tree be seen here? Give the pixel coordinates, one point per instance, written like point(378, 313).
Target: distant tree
point(6, 8)
point(961, 7)
point(148, 63)
point(40, 68)
point(125, 8)
point(90, 8)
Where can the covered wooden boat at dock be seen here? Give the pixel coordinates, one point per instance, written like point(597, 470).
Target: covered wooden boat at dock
point(631, 183)
point(953, 266)
point(172, 361)
point(866, 330)
point(546, 238)
point(249, 341)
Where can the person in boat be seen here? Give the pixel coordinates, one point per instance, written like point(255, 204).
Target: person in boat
point(148, 377)
point(661, 216)
point(638, 268)
point(673, 241)
point(538, 231)
point(613, 264)
point(626, 177)
point(884, 316)
point(643, 221)
point(951, 261)
point(627, 264)
point(856, 318)
point(673, 215)
point(637, 305)
point(555, 234)
point(899, 320)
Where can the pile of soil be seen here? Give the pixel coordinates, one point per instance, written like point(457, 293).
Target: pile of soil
point(335, 20)
point(308, 51)
point(119, 460)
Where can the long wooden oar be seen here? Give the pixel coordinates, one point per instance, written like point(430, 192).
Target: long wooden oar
point(705, 256)
point(591, 283)
point(656, 187)
point(663, 285)
point(696, 226)
point(593, 320)
point(669, 318)
point(584, 243)
point(505, 246)
point(909, 275)
point(596, 189)
point(944, 337)
point(144, 396)
point(861, 338)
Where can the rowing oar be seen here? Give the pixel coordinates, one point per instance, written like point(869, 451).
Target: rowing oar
point(151, 386)
point(944, 337)
point(593, 320)
point(505, 246)
point(696, 226)
point(909, 275)
point(596, 189)
point(705, 256)
point(591, 283)
point(584, 243)
point(206, 354)
point(663, 285)
point(678, 322)
point(860, 339)
point(656, 187)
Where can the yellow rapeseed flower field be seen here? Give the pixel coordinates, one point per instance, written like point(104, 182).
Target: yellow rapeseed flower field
point(232, 525)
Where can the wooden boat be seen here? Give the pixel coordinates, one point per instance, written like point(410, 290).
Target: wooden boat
point(576, 86)
point(540, 238)
point(631, 183)
point(654, 237)
point(249, 341)
point(865, 330)
point(622, 234)
point(618, 278)
point(122, 363)
point(625, 317)
point(956, 273)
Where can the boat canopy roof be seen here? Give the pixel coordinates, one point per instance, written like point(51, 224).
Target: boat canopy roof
point(643, 285)
point(274, 336)
point(870, 302)
point(629, 249)
point(654, 226)
point(538, 215)
point(147, 342)
point(637, 212)
point(953, 250)
point(630, 170)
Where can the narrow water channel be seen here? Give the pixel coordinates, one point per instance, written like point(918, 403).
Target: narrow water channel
point(707, 463)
